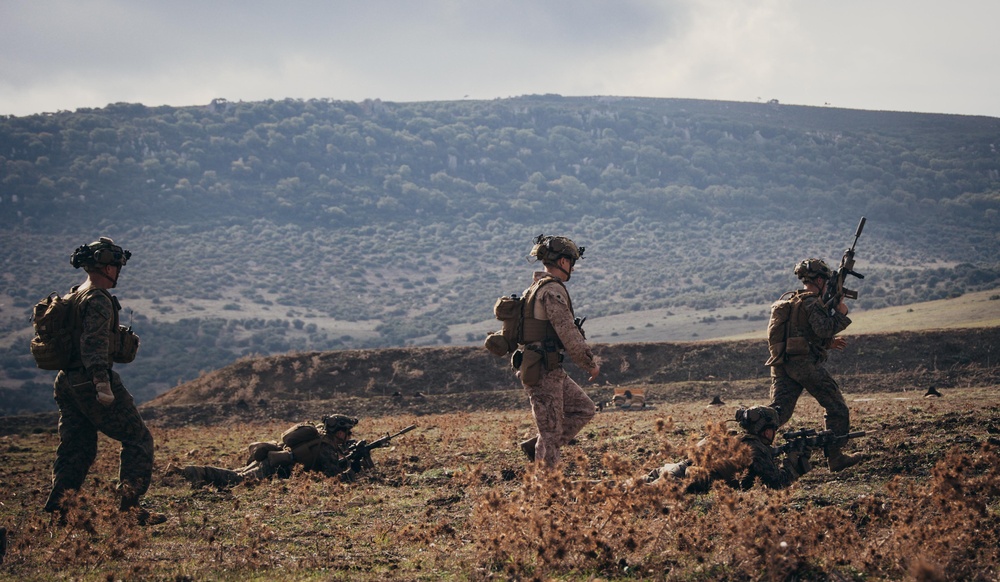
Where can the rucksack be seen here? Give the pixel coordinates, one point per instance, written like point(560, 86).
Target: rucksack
point(298, 434)
point(510, 311)
point(53, 345)
point(784, 312)
point(58, 325)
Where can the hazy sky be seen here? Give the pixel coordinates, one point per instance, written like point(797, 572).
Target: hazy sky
point(903, 55)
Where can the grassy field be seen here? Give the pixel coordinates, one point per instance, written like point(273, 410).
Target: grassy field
point(979, 309)
point(455, 500)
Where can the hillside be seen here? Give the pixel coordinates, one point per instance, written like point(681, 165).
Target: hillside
point(434, 380)
point(299, 226)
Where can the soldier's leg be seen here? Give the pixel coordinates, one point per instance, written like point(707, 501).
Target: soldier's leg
point(200, 475)
point(821, 386)
point(258, 470)
point(546, 399)
point(122, 422)
point(77, 445)
point(578, 409)
point(825, 390)
point(785, 392)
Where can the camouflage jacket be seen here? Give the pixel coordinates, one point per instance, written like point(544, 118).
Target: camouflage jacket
point(553, 303)
point(765, 466)
point(815, 323)
point(321, 454)
point(99, 323)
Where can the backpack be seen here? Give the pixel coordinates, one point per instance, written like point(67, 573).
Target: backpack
point(53, 319)
point(784, 311)
point(510, 311)
point(57, 323)
point(298, 434)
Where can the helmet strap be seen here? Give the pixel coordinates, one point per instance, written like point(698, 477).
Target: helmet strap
point(114, 282)
point(567, 273)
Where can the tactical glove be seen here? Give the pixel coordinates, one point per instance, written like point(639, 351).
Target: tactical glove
point(104, 394)
point(798, 462)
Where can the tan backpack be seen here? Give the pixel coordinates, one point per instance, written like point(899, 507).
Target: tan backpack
point(510, 310)
point(780, 342)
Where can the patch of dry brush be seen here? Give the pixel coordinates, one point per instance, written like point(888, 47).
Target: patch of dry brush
point(945, 528)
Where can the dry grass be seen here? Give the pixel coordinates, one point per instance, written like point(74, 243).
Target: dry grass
point(455, 500)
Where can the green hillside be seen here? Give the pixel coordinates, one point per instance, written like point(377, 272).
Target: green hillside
point(269, 227)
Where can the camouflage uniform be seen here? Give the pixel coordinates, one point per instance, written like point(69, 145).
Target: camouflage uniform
point(764, 466)
point(81, 415)
point(559, 406)
point(321, 454)
point(806, 372)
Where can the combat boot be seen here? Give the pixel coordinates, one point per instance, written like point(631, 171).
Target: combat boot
point(528, 447)
point(839, 460)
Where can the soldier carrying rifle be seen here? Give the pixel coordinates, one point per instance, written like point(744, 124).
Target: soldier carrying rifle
point(804, 324)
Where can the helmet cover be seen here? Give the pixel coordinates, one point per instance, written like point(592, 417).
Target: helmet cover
point(812, 269)
point(757, 418)
point(100, 253)
point(549, 249)
point(337, 422)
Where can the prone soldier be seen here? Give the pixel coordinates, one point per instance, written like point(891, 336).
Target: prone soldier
point(764, 463)
point(327, 448)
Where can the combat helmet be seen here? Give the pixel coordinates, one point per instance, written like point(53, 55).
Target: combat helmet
point(549, 249)
point(757, 418)
point(812, 269)
point(100, 253)
point(337, 422)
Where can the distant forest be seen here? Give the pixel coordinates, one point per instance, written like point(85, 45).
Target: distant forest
point(266, 222)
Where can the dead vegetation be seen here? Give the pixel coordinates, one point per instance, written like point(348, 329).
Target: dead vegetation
point(455, 500)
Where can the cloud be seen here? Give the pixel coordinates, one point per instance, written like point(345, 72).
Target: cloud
point(913, 55)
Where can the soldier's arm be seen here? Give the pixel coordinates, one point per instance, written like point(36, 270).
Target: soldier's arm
point(825, 325)
point(97, 313)
point(331, 463)
point(553, 299)
point(766, 468)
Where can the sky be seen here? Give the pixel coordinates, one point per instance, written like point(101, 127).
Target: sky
point(900, 55)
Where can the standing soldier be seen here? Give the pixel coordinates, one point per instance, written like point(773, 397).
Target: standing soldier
point(559, 406)
point(91, 396)
point(800, 332)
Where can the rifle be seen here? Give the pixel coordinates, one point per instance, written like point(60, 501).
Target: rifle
point(361, 450)
point(835, 290)
point(809, 438)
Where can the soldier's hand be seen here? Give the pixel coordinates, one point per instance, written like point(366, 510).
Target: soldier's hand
point(803, 465)
point(838, 343)
point(799, 446)
point(104, 394)
point(798, 461)
point(842, 307)
point(595, 372)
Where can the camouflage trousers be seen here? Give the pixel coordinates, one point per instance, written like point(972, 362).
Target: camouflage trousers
point(789, 380)
point(81, 416)
point(200, 475)
point(560, 409)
